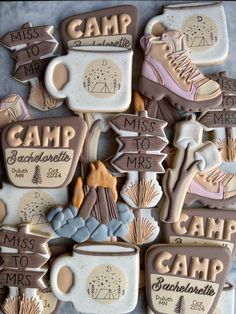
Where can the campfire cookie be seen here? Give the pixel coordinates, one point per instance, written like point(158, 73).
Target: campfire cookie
point(93, 213)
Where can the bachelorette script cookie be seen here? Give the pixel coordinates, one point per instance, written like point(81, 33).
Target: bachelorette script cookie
point(44, 152)
point(183, 279)
point(33, 47)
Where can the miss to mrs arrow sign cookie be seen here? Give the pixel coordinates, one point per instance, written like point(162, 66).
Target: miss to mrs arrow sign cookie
point(43, 153)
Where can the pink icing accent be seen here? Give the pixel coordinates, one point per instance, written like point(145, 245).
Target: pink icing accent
point(148, 71)
point(196, 188)
point(170, 83)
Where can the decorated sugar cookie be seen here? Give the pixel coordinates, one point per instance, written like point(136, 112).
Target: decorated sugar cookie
point(13, 108)
point(23, 255)
point(43, 153)
point(203, 226)
point(98, 278)
point(141, 140)
point(93, 213)
point(192, 156)
point(101, 83)
point(185, 279)
point(204, 26)
point(116, 26)
point(33, 47)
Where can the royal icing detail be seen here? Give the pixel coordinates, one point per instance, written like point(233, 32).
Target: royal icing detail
point(183, 279)
point(34, 47)
point(43, 153)
point(106, 284)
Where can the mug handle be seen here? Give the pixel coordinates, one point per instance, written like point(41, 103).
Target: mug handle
point(49, 77)
point(56, 267)
point(155, 20)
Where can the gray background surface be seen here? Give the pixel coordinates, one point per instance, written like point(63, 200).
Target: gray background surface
point(13, 14)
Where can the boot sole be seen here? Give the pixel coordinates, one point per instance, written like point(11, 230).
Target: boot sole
point(209, 202)
point(157, 92)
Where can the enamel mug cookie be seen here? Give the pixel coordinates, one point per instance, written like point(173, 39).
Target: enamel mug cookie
point(104, 278)
point(92, 78)
point(204, 26)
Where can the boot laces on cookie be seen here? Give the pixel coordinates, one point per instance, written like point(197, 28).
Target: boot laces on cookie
point(183, 65)
point(217, 175)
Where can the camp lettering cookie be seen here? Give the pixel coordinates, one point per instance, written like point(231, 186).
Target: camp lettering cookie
point(185, 279)
point(115, 26)
point(44, 152)
point(203, 226)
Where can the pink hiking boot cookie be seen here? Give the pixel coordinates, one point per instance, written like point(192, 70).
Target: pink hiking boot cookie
point(168, 72)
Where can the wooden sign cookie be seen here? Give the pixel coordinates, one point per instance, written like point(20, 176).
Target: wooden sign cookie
point(203, 226)
point(93, 213)
point(141, 140)
point(43, 152)
point(192, 156)
point(185, 279)
point(34, 47)
point(225, 116)
point(30, 206)
point(23, 256)
point(115, 26)
point(13, 108)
